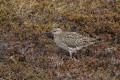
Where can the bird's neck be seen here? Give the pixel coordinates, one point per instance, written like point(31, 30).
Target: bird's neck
point(56, 35)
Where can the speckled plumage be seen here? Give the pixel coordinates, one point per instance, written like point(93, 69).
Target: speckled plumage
point(71, 41)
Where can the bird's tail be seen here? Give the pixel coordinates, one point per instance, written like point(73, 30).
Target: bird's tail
point(97, 39)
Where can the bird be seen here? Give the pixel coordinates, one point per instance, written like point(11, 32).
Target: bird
point(71, 41)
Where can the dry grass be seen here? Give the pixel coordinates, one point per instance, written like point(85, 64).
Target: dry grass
point(25, 55)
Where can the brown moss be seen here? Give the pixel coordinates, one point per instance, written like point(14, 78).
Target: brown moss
point(36, 56)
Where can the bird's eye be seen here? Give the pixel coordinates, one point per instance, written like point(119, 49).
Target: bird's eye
point(54, 31)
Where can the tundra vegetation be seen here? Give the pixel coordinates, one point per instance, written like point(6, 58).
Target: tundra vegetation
point(25, 54)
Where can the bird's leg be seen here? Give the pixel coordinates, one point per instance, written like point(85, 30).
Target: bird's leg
point(72, 57)
point(70, 54)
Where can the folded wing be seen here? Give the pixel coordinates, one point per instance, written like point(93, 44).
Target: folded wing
point(76, 40)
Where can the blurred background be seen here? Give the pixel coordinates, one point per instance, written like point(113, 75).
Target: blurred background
point(25, 54)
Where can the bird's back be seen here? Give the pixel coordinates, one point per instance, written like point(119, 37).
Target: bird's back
point(73, 39)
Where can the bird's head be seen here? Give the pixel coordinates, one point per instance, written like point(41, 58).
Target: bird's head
point(55, 31)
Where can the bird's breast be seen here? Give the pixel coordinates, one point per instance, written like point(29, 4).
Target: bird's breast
point(57, 40)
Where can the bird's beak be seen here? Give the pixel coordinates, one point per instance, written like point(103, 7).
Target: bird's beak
point(46, 33)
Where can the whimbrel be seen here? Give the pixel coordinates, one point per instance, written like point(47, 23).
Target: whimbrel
point(71, 41)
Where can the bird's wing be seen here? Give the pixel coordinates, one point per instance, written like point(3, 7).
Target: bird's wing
point(75, 40)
